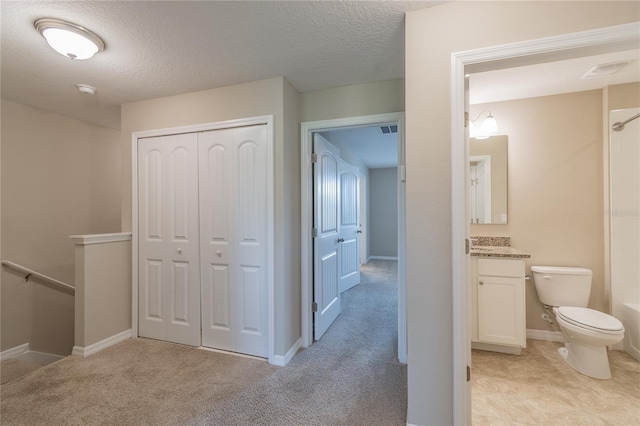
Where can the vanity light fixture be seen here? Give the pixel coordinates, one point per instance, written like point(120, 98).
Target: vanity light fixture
point(70, 40)
point(487, 127)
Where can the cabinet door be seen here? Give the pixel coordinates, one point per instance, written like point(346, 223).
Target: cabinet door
point(501, 310)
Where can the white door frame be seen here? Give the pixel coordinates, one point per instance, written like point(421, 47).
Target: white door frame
point(565, 46)
point(252, 121)
point(308, 128)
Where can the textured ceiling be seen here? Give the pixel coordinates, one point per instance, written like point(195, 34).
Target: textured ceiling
point(163, 48)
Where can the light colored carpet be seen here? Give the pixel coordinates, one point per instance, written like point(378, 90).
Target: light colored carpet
point(12, 369)
point(350, 377)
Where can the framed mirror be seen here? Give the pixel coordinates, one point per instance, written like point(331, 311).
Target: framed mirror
point(488, 174)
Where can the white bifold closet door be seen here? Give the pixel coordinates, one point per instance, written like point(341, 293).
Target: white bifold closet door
point(203, 225)
point(233, 248)
point(168, 242)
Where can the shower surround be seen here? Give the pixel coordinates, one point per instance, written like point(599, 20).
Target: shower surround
point(625, 212)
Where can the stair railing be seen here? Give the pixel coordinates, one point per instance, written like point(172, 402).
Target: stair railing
point(31, 273)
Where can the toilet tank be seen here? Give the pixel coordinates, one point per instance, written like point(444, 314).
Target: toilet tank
point(562, 286)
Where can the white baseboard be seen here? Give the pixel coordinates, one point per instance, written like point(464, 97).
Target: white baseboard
point(14, 352)
point(284, 360)
point(40, 358)
point(23, 353)
point(551, 336)
point(101, 345)
point(382, 258)
point(221, 351)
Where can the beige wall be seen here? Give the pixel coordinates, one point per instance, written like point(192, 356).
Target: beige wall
point(378, 97)
point(103, 282)
point(291, 218)
point(383, 212)
point(556, 209)
point(623, 96)
point(432, 35)
point(60, 176)
point(266, 97)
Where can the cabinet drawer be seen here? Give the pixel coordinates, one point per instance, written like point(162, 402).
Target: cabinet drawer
point(501, 267)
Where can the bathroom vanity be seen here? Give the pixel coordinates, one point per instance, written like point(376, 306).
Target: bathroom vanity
point(498, 297)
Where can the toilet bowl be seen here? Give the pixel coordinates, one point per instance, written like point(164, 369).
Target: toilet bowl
point(587, 332)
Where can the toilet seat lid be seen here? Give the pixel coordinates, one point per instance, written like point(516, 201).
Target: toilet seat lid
point(590, 318)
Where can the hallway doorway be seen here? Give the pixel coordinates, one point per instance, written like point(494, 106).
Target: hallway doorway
point(395, 120)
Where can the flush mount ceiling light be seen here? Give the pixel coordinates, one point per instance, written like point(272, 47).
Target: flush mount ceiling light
point(69, 39)
point(488, 127)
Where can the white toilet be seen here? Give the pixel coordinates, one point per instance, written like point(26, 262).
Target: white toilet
point(587, 332)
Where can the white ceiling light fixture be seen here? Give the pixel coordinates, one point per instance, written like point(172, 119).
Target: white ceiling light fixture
point(70, 40)
point(488, 127)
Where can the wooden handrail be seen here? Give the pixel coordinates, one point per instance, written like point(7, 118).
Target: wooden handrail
point(31, 273)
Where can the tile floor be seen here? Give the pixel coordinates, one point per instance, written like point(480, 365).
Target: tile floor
point(538, 388)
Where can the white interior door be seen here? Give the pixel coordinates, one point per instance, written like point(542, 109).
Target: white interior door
point(349, 247)
point(326, 182)
point(233, 218)
point(169, 275)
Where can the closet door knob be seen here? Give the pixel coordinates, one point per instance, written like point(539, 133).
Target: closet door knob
point(219, 253)
point(481, 283)
point(341, 240)
point(179, 250)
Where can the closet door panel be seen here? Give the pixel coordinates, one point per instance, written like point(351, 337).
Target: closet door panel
point(152, 279)
point(251, 240)
point(169, 277)
point(219, 297)
point(216, 202)
point(233, 194)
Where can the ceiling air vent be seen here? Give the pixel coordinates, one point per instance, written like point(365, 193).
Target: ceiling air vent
point(389, 129)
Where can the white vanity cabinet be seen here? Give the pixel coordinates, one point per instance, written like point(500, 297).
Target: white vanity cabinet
point(498, 304)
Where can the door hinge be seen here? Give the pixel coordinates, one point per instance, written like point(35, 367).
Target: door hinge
point(468, 373)
point(314, 232)
point(466, 119)
point(314, 158)
point(466, 246)
point(314, 307)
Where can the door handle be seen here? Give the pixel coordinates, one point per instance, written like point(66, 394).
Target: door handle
point(481, 282)
point(359, 231)
point(341, 240)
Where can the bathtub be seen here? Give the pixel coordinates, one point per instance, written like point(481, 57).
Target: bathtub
point(631, 321)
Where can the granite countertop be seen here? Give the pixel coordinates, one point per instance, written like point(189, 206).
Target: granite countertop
point(498, 251)
point(495, 246)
